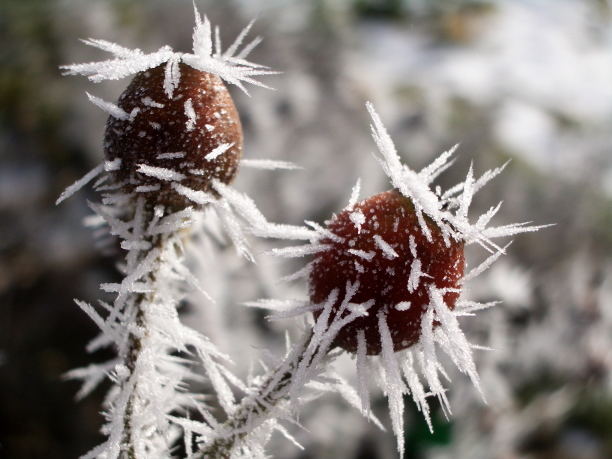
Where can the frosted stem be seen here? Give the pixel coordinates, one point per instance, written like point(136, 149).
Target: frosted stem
point(262, 402)
point(142, 324)
point(143, 263)
point(134, 349)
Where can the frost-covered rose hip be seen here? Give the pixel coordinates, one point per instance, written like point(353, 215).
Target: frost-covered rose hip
point(189, 139)
point(383, 248)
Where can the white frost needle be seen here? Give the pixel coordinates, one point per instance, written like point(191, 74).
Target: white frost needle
point(218, 151)
point(161, 173)
point(76, 186)
point(268, 164)
point(110, 108)
point(207, 56)
point(155, 351)
point(354, 195)
point(438, 213)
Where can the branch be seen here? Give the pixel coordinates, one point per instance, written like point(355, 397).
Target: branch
point(264, 400)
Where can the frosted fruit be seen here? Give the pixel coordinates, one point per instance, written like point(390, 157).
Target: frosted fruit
point(380, 237)
point(174, 135)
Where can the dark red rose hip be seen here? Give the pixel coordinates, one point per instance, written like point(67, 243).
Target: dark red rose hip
point(380, 238)
point(189, 134)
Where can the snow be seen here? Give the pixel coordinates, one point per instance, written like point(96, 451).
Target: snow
point(466, 306)
point(323, 233)
point(301, 273)
point(277, 305)
point(257, 223)
point(352, 397)
point(120, 67)
point(458, 347)
point(429, 360)
point(408, 182)
point(233, 229)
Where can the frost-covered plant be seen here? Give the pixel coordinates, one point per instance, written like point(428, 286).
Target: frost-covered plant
point(385, 282)
point(173, 137)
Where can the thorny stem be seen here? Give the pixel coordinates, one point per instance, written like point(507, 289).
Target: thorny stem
point(282, 384)
point(134, 348)
point(256, 407)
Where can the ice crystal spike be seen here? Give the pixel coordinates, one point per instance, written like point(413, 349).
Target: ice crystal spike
point(387, 274)
point(231, 65)
point(191, 138)
point(388, 254)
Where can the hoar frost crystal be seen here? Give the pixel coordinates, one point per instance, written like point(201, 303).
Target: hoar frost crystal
point(385, 283)
point(387, 276)
point(172, 139)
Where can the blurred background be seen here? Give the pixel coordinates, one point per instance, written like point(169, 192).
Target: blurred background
point(526, 80)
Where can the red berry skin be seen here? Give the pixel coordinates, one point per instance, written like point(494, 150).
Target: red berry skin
point(156, 129)
point(383, 279)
